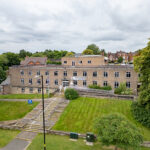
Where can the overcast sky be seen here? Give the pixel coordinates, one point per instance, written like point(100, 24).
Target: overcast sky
point(36, 25)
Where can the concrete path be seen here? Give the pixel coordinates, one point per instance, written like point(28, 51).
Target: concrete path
point(32, 123)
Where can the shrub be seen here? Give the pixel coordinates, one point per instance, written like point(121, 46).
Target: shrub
point(141, 114)
point(71, 94)
point(123, 90)
point(115, 129)
point(99, 87)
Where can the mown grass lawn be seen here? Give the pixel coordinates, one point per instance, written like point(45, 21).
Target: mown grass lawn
point(6, 136)
point(23, 96)
point(56, 142)
point(80, 114)
point(14, 110)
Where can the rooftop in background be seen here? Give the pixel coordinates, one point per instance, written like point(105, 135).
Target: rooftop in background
point(30, 61)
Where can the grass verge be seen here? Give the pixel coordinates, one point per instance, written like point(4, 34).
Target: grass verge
point(80, 114)
point(14, 110)
point(6, 136)
point(23, 96)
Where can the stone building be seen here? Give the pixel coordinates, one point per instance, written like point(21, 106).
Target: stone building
point(79, 71)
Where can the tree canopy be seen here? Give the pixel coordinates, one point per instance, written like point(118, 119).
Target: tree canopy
point(94, 48)
point(115, 129)
point(87, 52)
point(142, 66)
point(120, 59)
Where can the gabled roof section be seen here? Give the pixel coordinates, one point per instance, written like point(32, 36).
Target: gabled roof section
point(31, 61)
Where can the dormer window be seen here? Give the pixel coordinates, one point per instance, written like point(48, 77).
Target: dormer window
point(31, 63)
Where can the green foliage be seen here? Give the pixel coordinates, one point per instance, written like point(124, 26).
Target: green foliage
point(142, 66)
point(87, 52)
point(115, 129)
point(123, 90)
point(71, 94)
point(120, 59)
point(54, 62)
point(23, 53)
point(108, 88)
point(2, 75)
point(94, 48)
point(70, 54)
point(141, 114)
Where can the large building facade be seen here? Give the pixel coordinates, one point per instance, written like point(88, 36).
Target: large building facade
point(78, 71)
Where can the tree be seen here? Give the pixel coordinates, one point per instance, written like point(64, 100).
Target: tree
point(2, 75)
point(23, 53)
point(94, 48)
point(120, 59)
point(115, 129)
point(142, 66)
point(3, 61)
point(70, 54)
point(87, 52)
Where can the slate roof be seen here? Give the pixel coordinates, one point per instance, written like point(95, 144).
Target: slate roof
point(41, 60)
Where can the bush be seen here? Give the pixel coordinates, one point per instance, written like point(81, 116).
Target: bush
point(141, 114)
point(123, 90)
point(99, 87)
point(71, 94)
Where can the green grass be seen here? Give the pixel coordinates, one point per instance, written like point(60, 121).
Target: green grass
point(56, 142)
point(6, 136)
point(80, 114)
point(14, 110)
point(23, 96)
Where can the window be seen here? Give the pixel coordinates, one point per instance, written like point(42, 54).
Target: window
point(65, 62)
point(95, 74)
point(39, 90)
point(38, 73)
point(74, 73)
point(56, 82)
point(75, 82)
point(47, 81)
point(80, 62)
point(116, 84)
point(94, 82)
point(30, 73)
point(31, 90)
point(38, 81)
point(65, 73)
point(105, 83)
point(105, 74)
point(128, 84)
point(56, 73)
point(30, 81)
point(47, 73)
point(47, 90)
point(128, 74)
point(84, 82)
point(116, 74)
point(21, 72)
point(73, 63)
point(23, 90)
point(22, 81)
point(84, 73)
point(89, 61)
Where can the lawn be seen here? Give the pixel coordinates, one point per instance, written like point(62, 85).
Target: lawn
point(23, 96)
point(80, 114)
point(6, 136)
point(56, 142)
point(14, 110)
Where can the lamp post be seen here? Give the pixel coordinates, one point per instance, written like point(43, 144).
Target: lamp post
point(43, 111)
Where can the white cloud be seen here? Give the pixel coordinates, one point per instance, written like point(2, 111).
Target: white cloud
point(72, 25)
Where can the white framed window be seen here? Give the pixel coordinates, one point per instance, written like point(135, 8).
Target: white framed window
point(94, 82)
point(105, 74)
point(22, 89)
point(31, 90)
point(128, 74)
point(84, 73)
point(65, 73)
point(21, 72)
point(116, 84)
point(105, 83)
point(84, 82)
point(128, 84)
point(22, 81)
point(75, 82)
point(56, 82)
point(95, 74)
point(75, 73)
point(116, 74)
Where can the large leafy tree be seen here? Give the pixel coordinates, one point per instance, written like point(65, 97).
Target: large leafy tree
point(120, 59)
point(142, 66)
point(23, 53)
point(115, 129)
point(2, 75)
point(87, 52)
point(94, 48)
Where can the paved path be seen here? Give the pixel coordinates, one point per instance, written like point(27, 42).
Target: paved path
point(32, 123)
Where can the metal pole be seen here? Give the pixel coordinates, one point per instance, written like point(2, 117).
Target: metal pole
point(43, 113)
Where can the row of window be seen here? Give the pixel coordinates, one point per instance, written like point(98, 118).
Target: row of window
point(30, 73)
point(80, 62)
point(105, 74)
point(31, 90)
point(38, 81)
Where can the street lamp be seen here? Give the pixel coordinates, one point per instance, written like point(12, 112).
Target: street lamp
point(43, 111)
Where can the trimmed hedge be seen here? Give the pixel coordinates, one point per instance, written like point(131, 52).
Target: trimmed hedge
point(71, 94)
point(141, 114)
point(108, 88)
